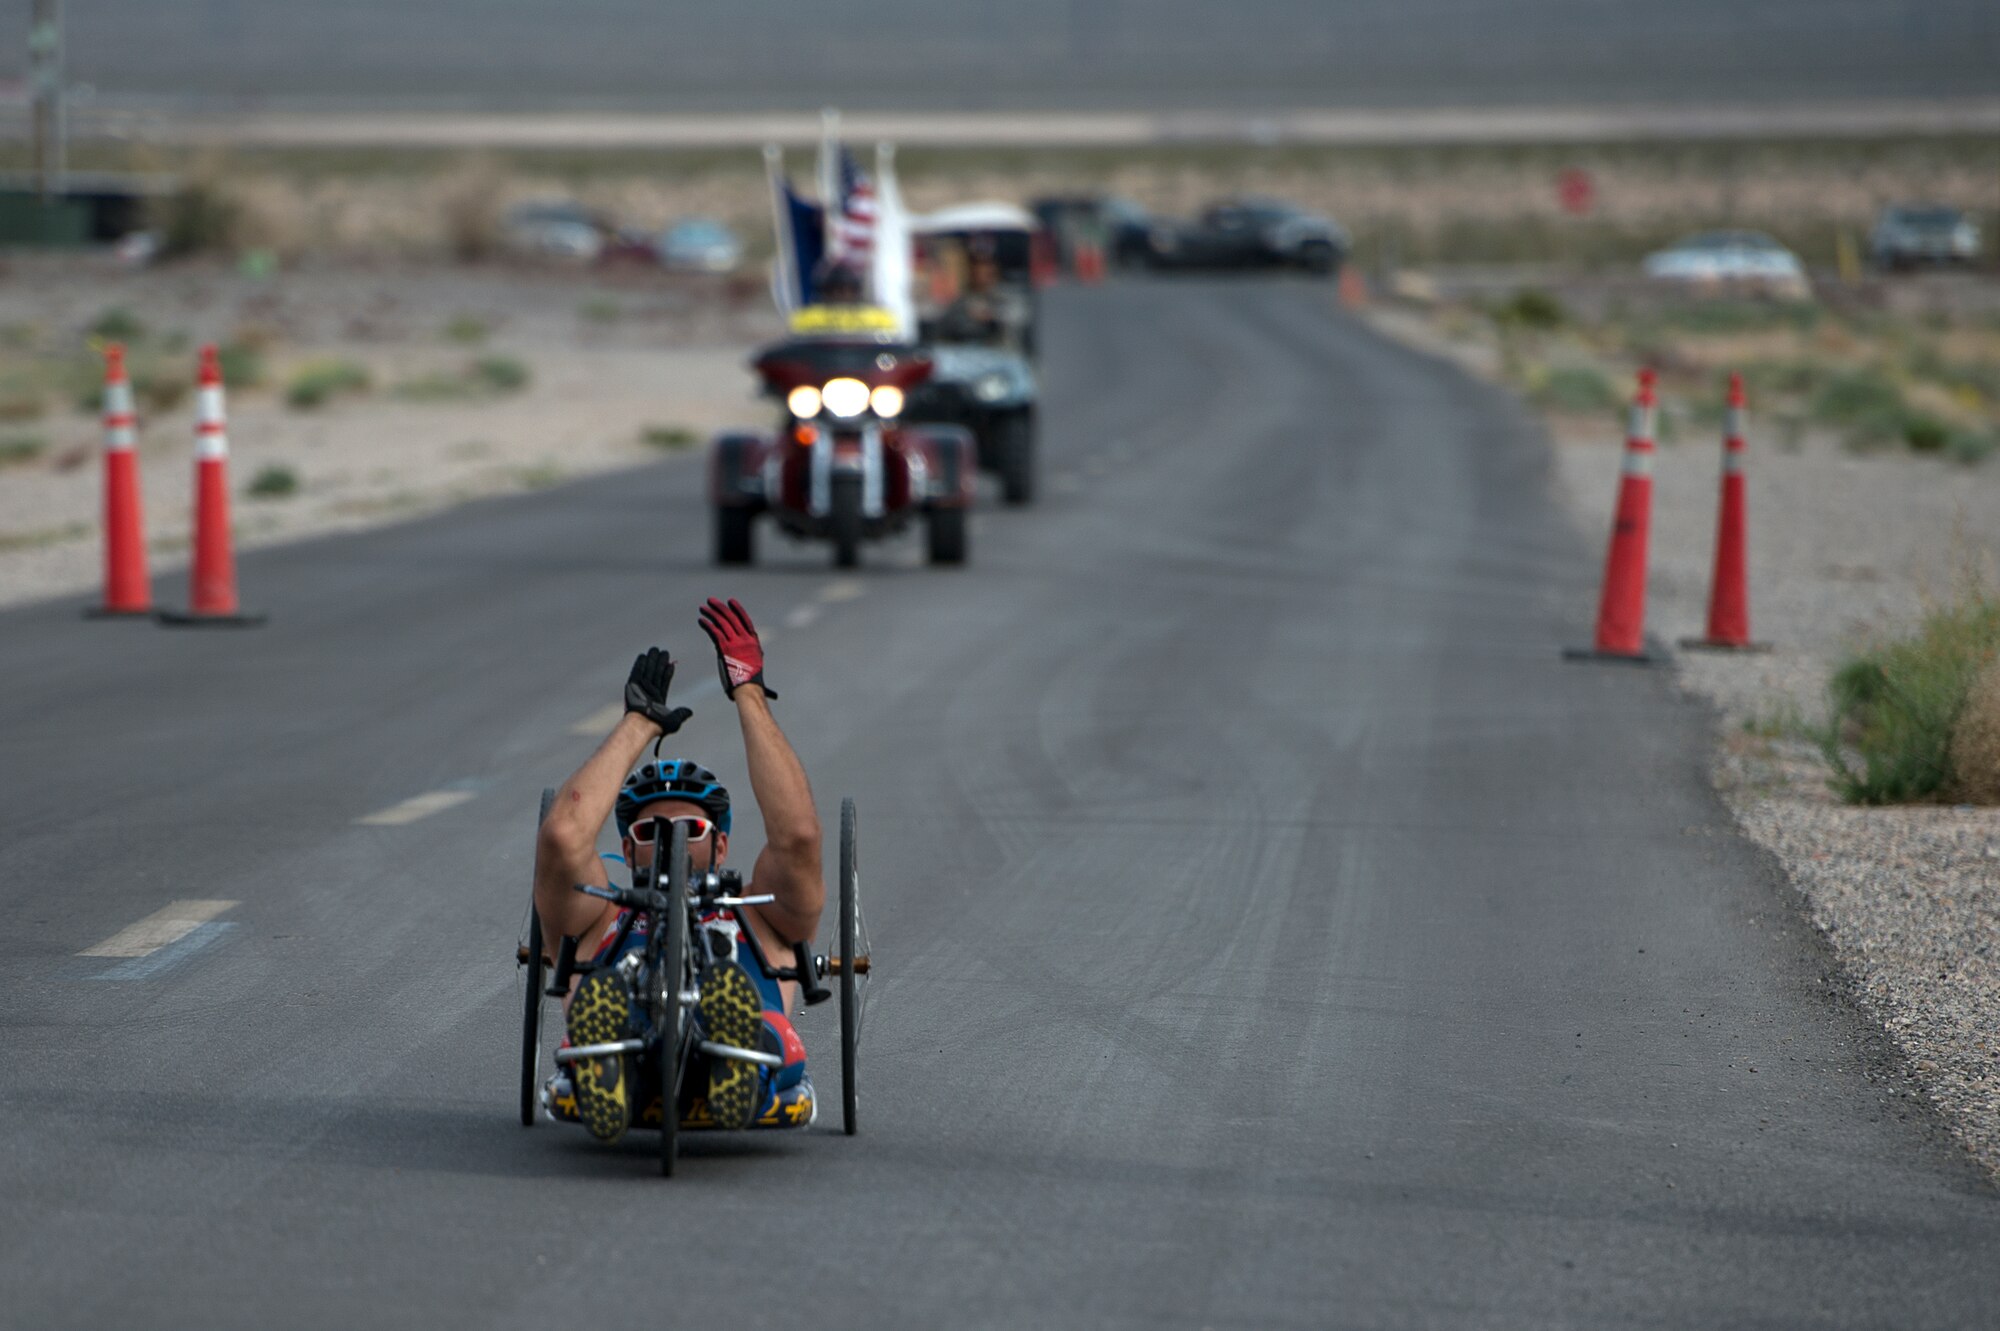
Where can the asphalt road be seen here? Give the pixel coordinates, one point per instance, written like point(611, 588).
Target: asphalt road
point(1271, 929)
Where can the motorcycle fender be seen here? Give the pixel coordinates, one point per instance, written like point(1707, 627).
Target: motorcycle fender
point(735, 470)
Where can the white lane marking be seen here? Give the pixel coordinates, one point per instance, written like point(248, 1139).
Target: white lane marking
point(843, 589)
point(169, 924)
point(600, 721)
point(145, 968)
point(417, 806)
point(802, 616)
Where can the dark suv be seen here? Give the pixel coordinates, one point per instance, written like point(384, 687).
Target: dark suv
point(1249, 233)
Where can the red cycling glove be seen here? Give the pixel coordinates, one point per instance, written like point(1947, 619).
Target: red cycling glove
point(738, 653)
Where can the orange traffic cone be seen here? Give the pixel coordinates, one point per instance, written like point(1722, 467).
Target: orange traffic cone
point(1729, 592)
point(1090, 262)
point(212, 579)
point(127, 590)
point(1353, 287)
point(1621, 610)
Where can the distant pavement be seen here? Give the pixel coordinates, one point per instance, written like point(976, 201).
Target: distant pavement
point(1548, 124)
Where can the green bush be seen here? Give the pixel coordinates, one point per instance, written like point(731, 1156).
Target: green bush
point(242, 364)
point(1970, 447)
point(22, 397)
point(1722, 317)
point(1857, 397)
point(317, 382)
point(1578, 388)
point(485, 377)
point(1925, 434)
point(1531, 308)
point(1892, 709)
point(668, 437)
point(274, 482)
point(21, 448)
point(468, 330)
point(500, 374)
point(118, 324)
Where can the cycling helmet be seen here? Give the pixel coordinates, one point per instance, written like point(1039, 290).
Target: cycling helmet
point(672, 778)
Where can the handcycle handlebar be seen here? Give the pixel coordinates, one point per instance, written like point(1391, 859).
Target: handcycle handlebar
point(631, 898)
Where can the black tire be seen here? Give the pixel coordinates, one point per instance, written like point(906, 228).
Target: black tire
point(671, 976)
point(945, 535)
point(1014, 440)
point(735, 541)
point(850, 951)
point(535, 969)
point(846, 521)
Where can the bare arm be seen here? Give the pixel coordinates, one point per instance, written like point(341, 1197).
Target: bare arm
point(789, 865)
point(566, 848)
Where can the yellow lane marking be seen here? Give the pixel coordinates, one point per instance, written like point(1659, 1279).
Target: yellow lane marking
point(169, 924)
point(843, 589)
point(417, 806)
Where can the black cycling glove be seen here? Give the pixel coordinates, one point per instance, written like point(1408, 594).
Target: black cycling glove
point(646, 691)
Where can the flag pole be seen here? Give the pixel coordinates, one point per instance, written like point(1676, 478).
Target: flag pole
point(785, 286)
point(830, 199)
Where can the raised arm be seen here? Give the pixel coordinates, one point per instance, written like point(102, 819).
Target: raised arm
point(566, 846)
point(789, 865)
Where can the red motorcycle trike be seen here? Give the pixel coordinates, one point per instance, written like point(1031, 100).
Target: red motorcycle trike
point(843, 466)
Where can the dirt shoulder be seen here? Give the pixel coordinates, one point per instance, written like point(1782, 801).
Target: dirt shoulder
point(1843, 546)
point(465, 382)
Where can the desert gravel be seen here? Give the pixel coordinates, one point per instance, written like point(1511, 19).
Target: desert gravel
point(1842, 548)
point(610, 356)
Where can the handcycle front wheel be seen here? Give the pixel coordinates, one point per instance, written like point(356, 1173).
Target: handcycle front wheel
point(534, 963)
point(670, 976)
point(854, 967)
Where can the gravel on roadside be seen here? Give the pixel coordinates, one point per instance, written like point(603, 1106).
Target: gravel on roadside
point(607, 364)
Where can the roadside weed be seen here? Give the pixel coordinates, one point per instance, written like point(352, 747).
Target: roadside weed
point(1892, 708)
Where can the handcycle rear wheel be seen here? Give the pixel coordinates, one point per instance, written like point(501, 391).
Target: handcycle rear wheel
point(535, 964)
point(854, 968)
point(670, 978)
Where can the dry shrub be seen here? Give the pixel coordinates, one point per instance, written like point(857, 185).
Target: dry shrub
point(203, 215)
point(1975, 741)
point(470, 208)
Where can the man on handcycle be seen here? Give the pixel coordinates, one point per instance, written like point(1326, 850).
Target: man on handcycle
point(742, 1003)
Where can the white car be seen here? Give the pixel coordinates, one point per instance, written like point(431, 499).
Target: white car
point(554, 229)
point(1732, 259)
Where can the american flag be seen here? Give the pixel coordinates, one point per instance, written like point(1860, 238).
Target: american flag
point(854, 222)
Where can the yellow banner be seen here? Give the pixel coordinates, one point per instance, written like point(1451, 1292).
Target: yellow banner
point(843, 319)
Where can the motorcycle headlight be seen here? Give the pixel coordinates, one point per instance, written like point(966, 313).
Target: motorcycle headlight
point(990, 387)
point(803, 402)
point(887, 401)
point(845, 397)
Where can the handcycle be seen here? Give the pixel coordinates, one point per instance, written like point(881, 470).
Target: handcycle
point(674, 900)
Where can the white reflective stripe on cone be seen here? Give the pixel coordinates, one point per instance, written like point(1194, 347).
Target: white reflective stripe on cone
point(1732, 423)
point(1638, 461)
point(1641, 422)
point(119, 422)
point(1732, 459)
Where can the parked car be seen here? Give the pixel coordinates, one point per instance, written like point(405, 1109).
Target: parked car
point(700, 245)
point(1735, 260)
point(1249, 233)
point(1909, 235)
point(554, 229)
